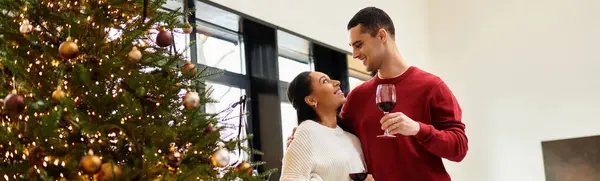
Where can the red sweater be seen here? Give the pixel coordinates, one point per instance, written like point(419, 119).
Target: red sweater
point(426, 99)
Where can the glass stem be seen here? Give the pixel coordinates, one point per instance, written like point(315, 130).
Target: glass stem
point(386, 130)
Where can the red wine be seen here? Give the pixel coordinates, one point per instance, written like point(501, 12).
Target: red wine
point(386, 106)
point(358, 176)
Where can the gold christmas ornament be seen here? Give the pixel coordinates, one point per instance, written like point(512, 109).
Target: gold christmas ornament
point(164, 38)
point(187, 28)
point(58, 95)
point(220, 158)
point(244, 167)
point(90, 163)
point(134, 55)
point(26, 27)
point(189, 69)
point(68, 49)
point(109, 171)
point(191, 100)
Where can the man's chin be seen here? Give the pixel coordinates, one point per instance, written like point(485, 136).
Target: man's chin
point(369, 69)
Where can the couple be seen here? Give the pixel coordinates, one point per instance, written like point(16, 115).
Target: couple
point(426, 121)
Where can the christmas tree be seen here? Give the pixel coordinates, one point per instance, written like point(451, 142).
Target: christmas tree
point(97, 90)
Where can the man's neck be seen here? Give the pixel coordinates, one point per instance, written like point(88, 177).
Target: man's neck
point(393, 66)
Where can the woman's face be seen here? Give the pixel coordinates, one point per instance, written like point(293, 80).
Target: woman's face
point(326, 93)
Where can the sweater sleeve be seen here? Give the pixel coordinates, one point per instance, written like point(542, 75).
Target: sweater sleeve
point(445, 137)
point(299, 157)
point(346, 113)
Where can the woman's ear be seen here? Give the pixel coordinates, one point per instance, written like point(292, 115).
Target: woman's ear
point(311, 101)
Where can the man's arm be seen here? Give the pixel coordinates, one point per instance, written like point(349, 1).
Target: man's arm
point(446, 136)
point(346, 114)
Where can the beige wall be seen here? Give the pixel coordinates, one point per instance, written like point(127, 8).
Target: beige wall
point(326, 20)
point(524, 71)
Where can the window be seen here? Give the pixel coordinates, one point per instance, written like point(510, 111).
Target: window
point(181, 40)
point(218, 53)
point(357, 72)
point(289, 121)
point(230, 119)
point(216, 16)
point(174, 5)
point(294, 56)
point(288, 68)
point(354, 82)
point(218, 45)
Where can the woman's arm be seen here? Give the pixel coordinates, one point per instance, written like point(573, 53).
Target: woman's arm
point(362, 166)
point(298, 160)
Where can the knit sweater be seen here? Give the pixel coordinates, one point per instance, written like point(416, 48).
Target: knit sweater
point(423, 97)
point(322, 153)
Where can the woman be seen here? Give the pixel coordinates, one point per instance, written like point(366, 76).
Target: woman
point(321, 150)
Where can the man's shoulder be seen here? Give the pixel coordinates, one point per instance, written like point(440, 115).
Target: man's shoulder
point(426, 78)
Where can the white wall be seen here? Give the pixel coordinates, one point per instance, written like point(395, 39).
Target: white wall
point(524, 72)
point(326, 20)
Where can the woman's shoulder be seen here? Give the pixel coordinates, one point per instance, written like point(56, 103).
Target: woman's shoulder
point(306, 128)
point(352, 137)
point(307, 125)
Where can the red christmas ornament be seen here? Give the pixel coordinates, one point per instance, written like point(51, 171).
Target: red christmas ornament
point(210, 128)
point(14, 103)
point(164, 38)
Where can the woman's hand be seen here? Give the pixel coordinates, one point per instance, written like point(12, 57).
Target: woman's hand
point(370, 178)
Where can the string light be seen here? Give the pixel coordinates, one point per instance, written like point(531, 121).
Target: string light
point(50, 65)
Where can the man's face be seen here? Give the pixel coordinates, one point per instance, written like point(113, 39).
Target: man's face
point(367, 48)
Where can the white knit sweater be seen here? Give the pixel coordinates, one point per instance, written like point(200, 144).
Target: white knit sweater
point(322, 153)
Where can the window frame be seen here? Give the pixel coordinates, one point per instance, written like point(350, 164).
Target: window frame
point(226, 78)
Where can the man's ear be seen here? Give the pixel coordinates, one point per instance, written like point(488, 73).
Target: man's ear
point(382, 35)
point(310, 100)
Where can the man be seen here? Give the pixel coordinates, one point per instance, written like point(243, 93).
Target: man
point(426, 119)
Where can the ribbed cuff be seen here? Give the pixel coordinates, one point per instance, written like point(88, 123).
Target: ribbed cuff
point(425, 131)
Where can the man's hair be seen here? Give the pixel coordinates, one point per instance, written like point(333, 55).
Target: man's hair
point(372, 19)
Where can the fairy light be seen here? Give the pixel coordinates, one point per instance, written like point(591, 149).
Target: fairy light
point(51, 64)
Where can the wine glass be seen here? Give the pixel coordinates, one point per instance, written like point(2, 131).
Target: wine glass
point(358, 176)
point(386, 101)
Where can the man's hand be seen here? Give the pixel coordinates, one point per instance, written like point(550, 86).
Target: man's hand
point(289, 140)
point(370, 178)
point(399, 123)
